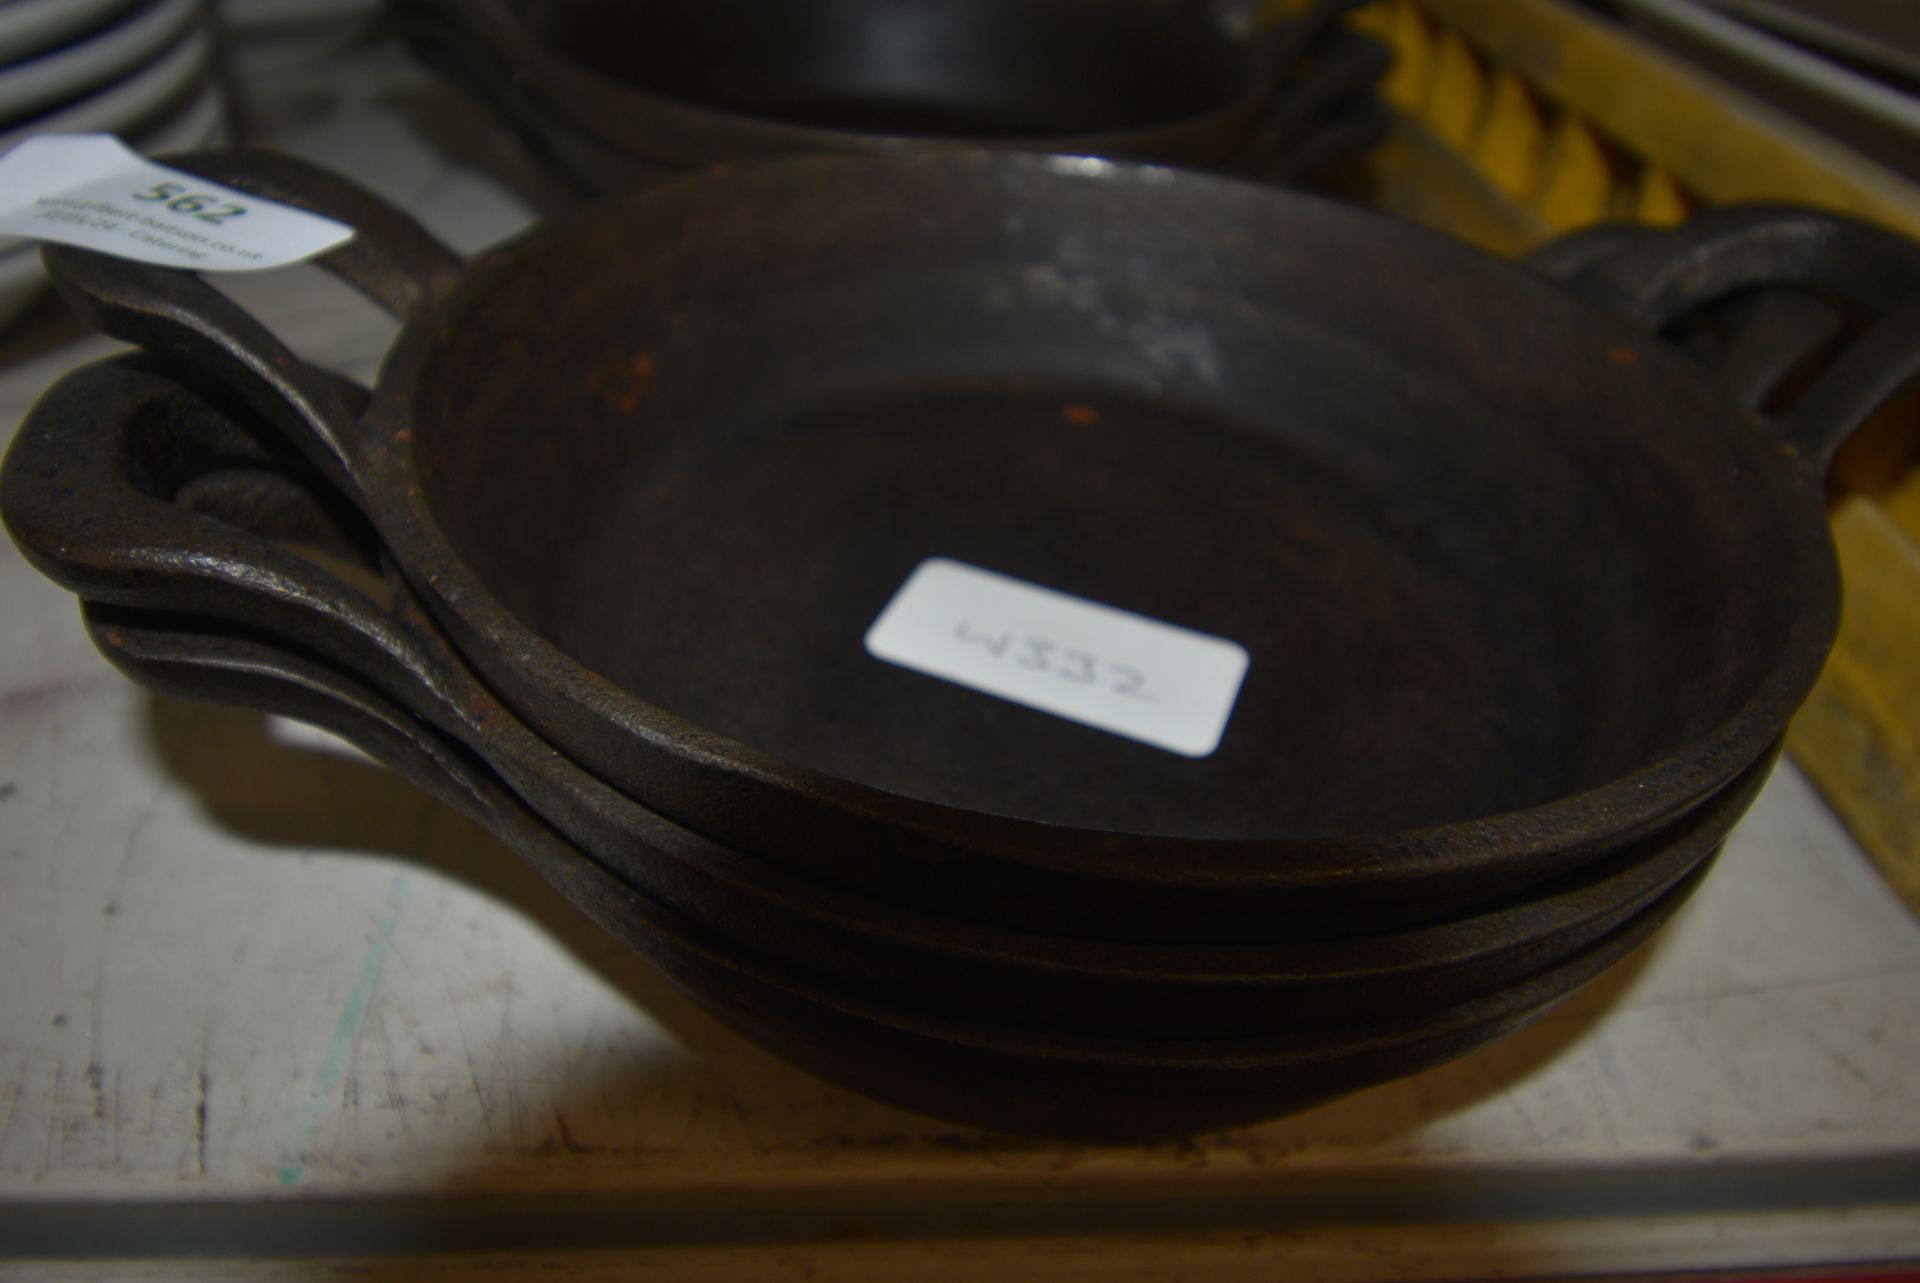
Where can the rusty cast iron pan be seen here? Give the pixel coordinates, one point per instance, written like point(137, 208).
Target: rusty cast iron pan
point(129, 484)
point(611, 93)
point(1521, 583)
point(1105, 1089)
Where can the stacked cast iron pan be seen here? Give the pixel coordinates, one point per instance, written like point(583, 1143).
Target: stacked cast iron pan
point(1529, 592)
point(609, 93)
point(1049, 1033)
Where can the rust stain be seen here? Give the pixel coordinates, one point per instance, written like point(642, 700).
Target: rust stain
point(1621, 354)
point(1080, 416)
point(623, 382)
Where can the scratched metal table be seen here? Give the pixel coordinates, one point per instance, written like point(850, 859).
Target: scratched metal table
point(266, 1005)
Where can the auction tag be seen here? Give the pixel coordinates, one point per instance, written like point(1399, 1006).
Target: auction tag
point(1163, 685)
point(91, 190)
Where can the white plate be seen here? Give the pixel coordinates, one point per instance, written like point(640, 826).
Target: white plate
point(272, 37)
point(41, 82)
point(127, 104)
point(28, 27)
point(201, 123)
point(255, 16)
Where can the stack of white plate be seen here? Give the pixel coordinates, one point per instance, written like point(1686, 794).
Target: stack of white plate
point(266, 36)
point(256, 17)
point(142, 69)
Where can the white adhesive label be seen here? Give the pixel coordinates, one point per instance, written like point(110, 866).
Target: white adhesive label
point(1170, 687)
point(91, 190)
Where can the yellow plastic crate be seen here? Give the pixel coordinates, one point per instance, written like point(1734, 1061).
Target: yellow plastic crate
point(1520, 119)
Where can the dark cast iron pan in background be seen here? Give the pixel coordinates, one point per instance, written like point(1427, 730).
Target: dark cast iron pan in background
point(610, 92)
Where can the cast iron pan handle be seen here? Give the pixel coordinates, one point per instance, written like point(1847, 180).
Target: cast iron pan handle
point(1770, 332)
point(1347, 65)
point(392, 260)
point(1732, 257)
point(100, 491)
point(1276, 46)
point(1573, 258)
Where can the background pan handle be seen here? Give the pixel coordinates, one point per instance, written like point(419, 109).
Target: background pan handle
point(133, 489)
point(1781, 284)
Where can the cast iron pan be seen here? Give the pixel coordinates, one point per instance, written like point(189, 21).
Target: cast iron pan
point(612, 92)
point(1104, 1090)
point(1522, 584)
point(127, 482)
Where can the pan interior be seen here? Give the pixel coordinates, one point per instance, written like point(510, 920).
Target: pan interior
point(962, 68)
point(1468, 582)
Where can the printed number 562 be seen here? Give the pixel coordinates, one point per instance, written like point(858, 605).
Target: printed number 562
point(176, 197)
